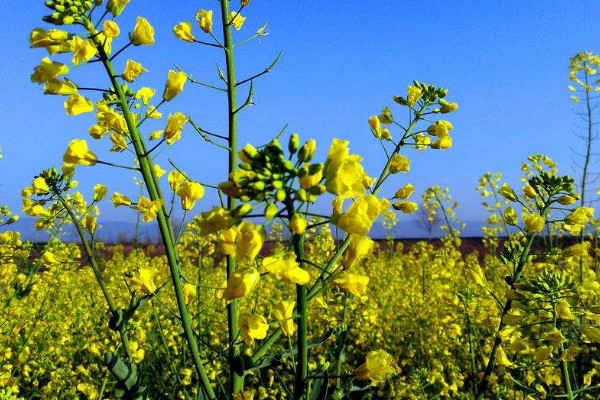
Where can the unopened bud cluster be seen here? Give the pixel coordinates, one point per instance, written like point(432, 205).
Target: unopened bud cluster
point(67, 12)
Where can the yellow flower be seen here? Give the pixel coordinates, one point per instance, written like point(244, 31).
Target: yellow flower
point(100, 192)
point(174, 85)
point(183, 31)
point(242, 242)
point(442, 144)
point(145, 94)
point(353, 283)
point(148, 208)
point(253, 326)
point(399, 163)
point(50, 259)
point(189, 293)
point(40, 186)
point(283, 312)
point(119, 142)
point(510, 216)
point(507, 192)
point(153, 113)
point(563, 310)
point(61, 87)
point(580, 216)
point(143, 280)
point(158, 171)
point(241, 283)
point(297, 224)
point(447, 107)
point(110, 29)
point(143, 32)
point(48, 70)
point(375, 125)
point(119, 199)
point(132, 70)
point(136, 352)
point(115, 7)
point(378, 367)
point(189, 192)
point(566, 200)
point(529, 191)
point(89, 224)
point(83, 50)
point(404, 192)
point(175, 178)
point(413, 95)
point(236, 20)
point(78, 154)
point(54, 40)
point(214, 220)
point(175, 124)
point(77, 104)
point(285, 268)
point(407, 207)
point(358, 249)
point(343, 172)
point(534, 222)
point(204, 18)
point(360, 216)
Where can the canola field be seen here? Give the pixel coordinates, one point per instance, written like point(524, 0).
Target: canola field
point(263, 295)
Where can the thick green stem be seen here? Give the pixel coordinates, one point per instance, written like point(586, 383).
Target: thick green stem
point(497, 339)
point(164, 223)
point(236, 382)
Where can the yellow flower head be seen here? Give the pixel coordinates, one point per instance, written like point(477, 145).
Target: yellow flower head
point(174, 85)
point(48, 70)
point(283, 313)
point(360, 216)
point(353, 283)
point(447, 107)
point(148, 208)
point(143, 32)
point(132, 70)
point(145, 94)
point(110, 29)
point(183, 31)
point(404, 192)
point(236, 20)
point(78, 154)
point(100, 192)
point(204, 18)
point(175, 124)
point(241, 283)
point(253, 326)
point(358, 249)
point(285, 268)
point(60, 87)
point(189, 293)
point(115, 7)
point(399, 163)
point(77, 104)
point(343, 173)
point(83, 50)
point(378, 367)
point(507, 192)
point(39, 186)
point(243, 242)
point(90, 223)
point(189, 192)
point(119, 199)
point(215, 220)
point(297, 224)
point(143, 280)
point(534, 222)
point(54, 40)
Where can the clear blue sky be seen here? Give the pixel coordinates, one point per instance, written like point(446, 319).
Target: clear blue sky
point(504, 62)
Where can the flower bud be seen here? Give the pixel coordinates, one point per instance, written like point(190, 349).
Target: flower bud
point(294, 143)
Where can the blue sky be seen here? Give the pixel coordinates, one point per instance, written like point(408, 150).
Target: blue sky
point(505, 63)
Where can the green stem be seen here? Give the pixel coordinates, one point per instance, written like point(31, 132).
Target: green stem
point(236, 382)
point(164, 223)
point(497, 340)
